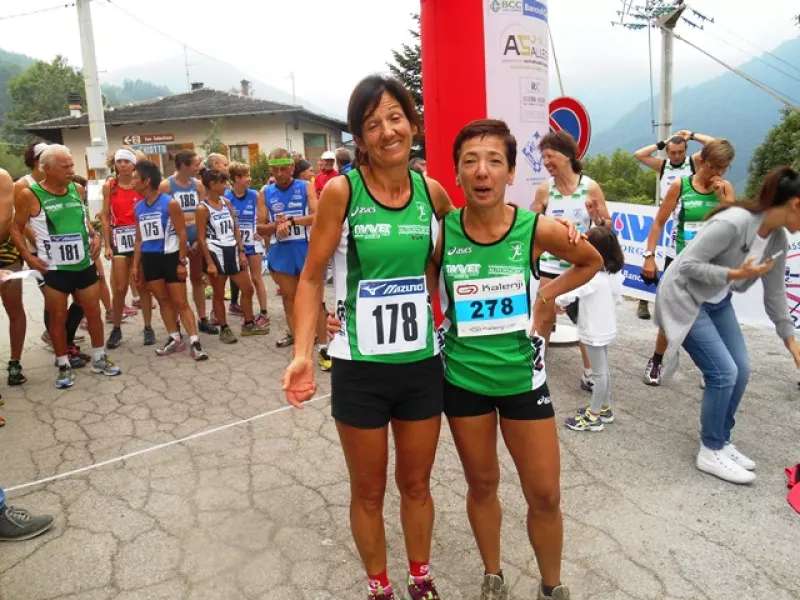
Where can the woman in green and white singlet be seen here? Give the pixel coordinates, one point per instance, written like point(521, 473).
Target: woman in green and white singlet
point(379, 222)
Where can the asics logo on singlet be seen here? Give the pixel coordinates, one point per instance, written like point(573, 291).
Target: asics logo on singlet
point(543, 400)
point(362, 210)
point(463, 270)
point(454, 251)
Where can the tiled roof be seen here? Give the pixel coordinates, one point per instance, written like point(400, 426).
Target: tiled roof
point(199, 104)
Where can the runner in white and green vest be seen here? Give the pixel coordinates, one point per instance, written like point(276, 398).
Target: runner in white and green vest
point(689, 201)
point(66, 248)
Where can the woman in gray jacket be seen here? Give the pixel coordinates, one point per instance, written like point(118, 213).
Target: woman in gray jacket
point(737, 245)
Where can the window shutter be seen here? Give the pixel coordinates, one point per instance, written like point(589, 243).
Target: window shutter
point(252, 152)
point(188, 146)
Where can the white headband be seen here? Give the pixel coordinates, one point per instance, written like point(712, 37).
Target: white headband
point(39, 148)
point(125, 154)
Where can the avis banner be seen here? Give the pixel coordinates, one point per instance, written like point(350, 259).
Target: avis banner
point(632, 222)
point(517, 55)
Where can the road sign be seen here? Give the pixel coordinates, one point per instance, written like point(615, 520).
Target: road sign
point(151, 149)
point(148, 138)
point(567, 114)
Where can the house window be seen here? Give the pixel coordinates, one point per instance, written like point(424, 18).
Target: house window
point(240, 153)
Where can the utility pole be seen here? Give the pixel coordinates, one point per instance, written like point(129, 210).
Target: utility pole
point(294, 96)
point(186, 64)
point(97, 127)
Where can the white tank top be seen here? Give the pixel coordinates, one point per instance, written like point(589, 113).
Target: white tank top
point(219, 229)
point(573, 207)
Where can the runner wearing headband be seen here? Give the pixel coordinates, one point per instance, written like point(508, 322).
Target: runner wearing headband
point(119, 230)
point(189, 192)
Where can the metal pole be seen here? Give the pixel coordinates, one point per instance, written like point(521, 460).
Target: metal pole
point(294, 96)
point(186, 65)
point(94, 100)
point(555, 59)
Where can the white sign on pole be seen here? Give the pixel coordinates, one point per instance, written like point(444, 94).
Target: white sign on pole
point(517, 54)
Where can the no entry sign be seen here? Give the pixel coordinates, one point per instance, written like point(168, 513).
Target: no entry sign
point(569, 115)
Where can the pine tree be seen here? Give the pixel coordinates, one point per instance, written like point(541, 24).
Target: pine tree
point(407, 67)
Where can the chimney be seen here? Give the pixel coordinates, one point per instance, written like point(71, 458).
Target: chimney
point(74, 104)
point(245, 87)
point(197, 85)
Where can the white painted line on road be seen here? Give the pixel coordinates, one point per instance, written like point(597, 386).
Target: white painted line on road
point(188, 438)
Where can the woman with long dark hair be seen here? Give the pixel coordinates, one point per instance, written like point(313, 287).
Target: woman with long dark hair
point(736, 246)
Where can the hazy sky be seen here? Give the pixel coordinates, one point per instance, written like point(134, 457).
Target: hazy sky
point(331, 45)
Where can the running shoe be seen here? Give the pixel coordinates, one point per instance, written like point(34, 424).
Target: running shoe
point(75, 358)
point(606, 414)
point(285, 342)
point(172, 346)
point(226, 336)
point(74, 350)
point(46, 340)
point(325, 362)
point(587, 383)
point(643, 312)
point(253, 329)
point(65, 378)
point(114, 338)
point(560, 592)
point(209, 292)
point(109, 318)
point(197, 353)
point(235, 309)
point(421, 588)
point(262, 319)
point(380, 594)
point(149, 335)
point(105, 366)
point(80, 338)
point(493, 588)
point(206, 327)
point(15, 374)
point(652, 374)
point(17, 524)
point(584, 421)
point(129, 312)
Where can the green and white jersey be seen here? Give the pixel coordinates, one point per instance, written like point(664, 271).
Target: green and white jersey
point(382, 298)
point(573, 207)
point(695, 207)
point(669, 175)
point(62, 238)
point(485, 296)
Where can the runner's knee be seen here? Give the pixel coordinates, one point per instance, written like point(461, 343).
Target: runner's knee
point(483, 486)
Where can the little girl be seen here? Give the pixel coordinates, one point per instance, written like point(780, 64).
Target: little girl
point(597, 326)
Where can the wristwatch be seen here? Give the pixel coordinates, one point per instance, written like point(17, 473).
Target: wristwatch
point(691, 135)
point(648, 254)
point(183, 262)
point(291, 220)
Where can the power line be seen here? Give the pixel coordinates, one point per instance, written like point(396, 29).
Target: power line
point(775, 94)
point(36, 12)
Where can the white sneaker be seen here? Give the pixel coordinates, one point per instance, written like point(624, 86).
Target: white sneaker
point(719, 464)
point(740, 459)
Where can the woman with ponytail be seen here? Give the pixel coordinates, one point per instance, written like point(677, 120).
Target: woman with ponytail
point(736, 246)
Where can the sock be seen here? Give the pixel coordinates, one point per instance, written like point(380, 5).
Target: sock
point(323, 348)
point(176, 336)
point(13, 362)
point(204, 319)
point(547, 590)
point(246, 322)
point(263, 311)
point(194, 338)
point(418, 569)
point(657, 358)
point(62, 361)
point(381, 580)
point(117, 329)
point(98, 353)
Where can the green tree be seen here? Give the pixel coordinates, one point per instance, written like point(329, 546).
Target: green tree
point(213, 140)
point(259, 171)
point(780, 147)
point(11, 159)
point(407, 67)
point(622, 178)
point(40, 92)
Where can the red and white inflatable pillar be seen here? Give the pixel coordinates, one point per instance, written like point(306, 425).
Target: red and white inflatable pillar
point(485, 59)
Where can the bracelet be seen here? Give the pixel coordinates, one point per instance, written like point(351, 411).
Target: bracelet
point(544, 300)
point(661, 145)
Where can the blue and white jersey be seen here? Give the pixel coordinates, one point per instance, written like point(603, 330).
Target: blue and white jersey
point(291, 202)
point(244, 209)
point(187, 197)
point(155, 226)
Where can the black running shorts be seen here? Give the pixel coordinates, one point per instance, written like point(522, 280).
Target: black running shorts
point(226, 259)
point(157, 266)
point(528, 406)
point(368, 395)
point(67, 282)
